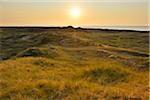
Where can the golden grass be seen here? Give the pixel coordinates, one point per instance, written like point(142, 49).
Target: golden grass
point(73, 64)
point(26, 78)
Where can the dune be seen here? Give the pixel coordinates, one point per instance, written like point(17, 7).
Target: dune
point(73, 63)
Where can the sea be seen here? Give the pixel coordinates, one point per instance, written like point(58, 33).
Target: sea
point(136, 28)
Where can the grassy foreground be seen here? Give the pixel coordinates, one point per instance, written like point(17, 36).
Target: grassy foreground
point(73, 64)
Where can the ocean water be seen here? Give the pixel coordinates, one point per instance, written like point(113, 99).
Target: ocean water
point(137, 28)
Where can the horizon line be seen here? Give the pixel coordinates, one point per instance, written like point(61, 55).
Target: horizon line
point(113, 28)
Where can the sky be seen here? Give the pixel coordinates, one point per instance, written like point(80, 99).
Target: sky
point(73, 12)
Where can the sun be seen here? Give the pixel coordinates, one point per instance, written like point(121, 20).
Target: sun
point(75, 12)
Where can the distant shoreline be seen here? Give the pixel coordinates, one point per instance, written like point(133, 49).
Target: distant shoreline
point(84, 28)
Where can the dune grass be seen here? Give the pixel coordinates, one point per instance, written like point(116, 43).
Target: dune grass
point(36, 77)
point(73, 64)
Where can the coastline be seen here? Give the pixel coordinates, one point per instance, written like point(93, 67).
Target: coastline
point(101, 28)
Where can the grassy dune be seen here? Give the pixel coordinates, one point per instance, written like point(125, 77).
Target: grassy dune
point(73, 64)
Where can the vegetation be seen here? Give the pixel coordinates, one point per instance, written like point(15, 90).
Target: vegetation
point(73, 64)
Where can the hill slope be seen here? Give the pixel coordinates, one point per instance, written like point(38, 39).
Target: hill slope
point(68, 63)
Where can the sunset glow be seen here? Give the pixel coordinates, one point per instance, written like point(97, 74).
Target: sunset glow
point(75, 12)
point(51, 13)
